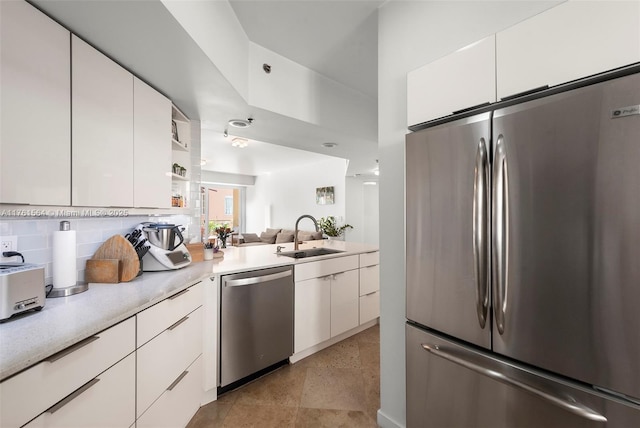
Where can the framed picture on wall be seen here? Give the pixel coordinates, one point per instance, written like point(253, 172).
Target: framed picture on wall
point(325, 195)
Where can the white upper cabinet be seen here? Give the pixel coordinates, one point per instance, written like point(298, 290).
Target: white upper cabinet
point(463, 79)
point(151, 147)
point(35, 108)
point(102, 129)
point(570, 41)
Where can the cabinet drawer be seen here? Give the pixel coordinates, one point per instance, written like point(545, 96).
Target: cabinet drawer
point(158, 318)
point(369, 279)
point(161, 360)
point(369, 307)
point(325, 267)
point(178, 403)
point(48, 382)
point(370, 259)
point(106, 401)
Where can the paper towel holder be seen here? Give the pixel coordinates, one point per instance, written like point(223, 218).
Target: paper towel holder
point(68, 291)
point(73, 289)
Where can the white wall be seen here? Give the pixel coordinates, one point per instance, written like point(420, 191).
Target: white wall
point(301, 93)
point(412, 34)
point(214, 177)
point(362, 211)
point(35, 234)
point(216, 29)
point(278, 199)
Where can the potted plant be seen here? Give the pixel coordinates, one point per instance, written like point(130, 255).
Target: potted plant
point(329, 226)
point(223, 232)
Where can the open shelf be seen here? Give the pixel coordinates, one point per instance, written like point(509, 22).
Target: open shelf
point(177, 145)
point(178, 177)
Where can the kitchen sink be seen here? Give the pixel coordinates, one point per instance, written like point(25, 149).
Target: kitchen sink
point(312, 252)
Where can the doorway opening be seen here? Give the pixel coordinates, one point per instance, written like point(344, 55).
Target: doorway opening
point(221, 206)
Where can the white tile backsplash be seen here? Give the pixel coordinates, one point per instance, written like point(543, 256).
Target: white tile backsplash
point(35, 236)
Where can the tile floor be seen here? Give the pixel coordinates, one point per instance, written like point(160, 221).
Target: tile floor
point(336, 387)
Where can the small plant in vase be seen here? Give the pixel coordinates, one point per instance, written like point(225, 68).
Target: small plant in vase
point(329, 226)
point(223, 233)
point(209, 250)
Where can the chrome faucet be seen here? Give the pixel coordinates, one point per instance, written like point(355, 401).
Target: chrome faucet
point(295, 230)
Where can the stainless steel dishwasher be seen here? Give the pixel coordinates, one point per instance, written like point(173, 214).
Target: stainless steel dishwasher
point(256, 323)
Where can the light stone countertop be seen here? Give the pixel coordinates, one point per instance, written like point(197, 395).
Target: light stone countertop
point(34, 336)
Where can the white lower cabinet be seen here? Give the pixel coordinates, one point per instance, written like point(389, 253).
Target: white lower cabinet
point(106, 401)
point(312, 313)
point(369, 307)
point(169, 375)
point(178, 403)
point(369, 286)
point(162, 360)
point(26, 395)
point(156, 319)
point(326, 300)
point(344, 302)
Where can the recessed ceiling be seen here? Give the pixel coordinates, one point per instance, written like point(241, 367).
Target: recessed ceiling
point(145, 38)
point(338, 39)
point(257, 158)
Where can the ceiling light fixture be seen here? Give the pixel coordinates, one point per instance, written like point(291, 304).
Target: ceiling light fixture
point(241, 123)
point(239, 142)
point(329, 145)
point(203, 162)
point(369, 183)
point(225, 133)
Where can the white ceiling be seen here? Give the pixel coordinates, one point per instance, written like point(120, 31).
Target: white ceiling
point(338, 39)
point(335, 38)
point(257, 158)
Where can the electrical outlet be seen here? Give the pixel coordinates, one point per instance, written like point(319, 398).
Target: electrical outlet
point(8, 243)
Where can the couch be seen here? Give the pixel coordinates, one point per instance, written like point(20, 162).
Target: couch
point(276, 236)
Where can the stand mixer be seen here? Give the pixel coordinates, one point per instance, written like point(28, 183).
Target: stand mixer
point(167, 250)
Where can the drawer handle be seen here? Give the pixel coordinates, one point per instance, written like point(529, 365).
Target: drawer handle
point(175, 296)
point(177, 323)
point(369, 294)
point(177, 381)
point(55, 357)
point(72, 396)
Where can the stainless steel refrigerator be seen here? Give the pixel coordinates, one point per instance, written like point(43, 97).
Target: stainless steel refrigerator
point(523, 261)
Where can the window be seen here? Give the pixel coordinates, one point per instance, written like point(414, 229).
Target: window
point(228, 205)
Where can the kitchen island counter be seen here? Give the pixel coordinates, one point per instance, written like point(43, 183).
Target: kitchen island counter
point(32, 337)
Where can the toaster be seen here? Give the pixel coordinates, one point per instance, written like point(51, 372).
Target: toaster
point(21, 288)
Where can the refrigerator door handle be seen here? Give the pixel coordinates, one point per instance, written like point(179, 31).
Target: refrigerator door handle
point(544, 389)
point(480, 228)
point(500, 233)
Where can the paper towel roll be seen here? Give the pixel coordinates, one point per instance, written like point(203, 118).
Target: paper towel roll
point(64, 258)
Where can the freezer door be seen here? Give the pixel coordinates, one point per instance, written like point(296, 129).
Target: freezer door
point(567, 233)
point(450, 385)
point(447, 228)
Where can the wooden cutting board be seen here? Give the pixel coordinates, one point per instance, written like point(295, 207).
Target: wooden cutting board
point(102, 270)
point(117, 247)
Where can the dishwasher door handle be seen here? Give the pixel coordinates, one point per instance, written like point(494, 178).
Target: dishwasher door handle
point(256, 279)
